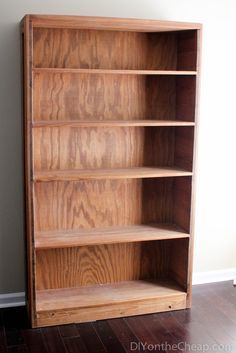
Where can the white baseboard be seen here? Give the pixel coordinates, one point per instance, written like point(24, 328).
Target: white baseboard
point(18, 299)
point(12, 299)
point(214, 276)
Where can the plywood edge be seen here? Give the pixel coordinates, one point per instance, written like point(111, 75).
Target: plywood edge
point(110, 173)
point(58, 70)
point(109, 23)
point(29, 213)
point(195, 152)
point(109, 123)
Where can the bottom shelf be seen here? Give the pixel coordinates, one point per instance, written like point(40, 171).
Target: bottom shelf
point(89, 303)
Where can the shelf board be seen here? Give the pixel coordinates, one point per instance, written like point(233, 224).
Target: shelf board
point(108, 123)
point(105, 294)
point(108, 235)
point(111, 173)
point(115, 72)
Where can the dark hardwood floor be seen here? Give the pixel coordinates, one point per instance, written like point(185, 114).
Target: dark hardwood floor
point(210, 326)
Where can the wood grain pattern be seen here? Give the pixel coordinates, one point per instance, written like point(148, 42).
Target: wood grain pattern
point(106, 203)
point(84, 266)
point(121, 147)
point(106, 263)
point(110, 97)
point(87, 204)
point(109, 235)
point(148, 305)
point(105, 294)
point(68, 148)
point(90, 49)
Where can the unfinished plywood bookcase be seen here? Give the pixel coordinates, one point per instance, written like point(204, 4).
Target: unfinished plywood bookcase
point(110, 123)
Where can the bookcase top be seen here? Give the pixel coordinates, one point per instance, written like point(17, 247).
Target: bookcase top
point(108, 23)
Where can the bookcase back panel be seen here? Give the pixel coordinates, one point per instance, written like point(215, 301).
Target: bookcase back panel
point(87, 204)
point(117, 147)
point(92, 49)
point(69, 48)
point(96, 97)
point(88, 265)
point(104, 203)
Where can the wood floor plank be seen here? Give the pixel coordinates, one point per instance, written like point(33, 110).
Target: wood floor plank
point(186, 330)
point(53, 340)
point(225, 308)
point(142, 333)
point(37, 349)
point(68, 331)
point(199, 331)
point(75, 345)
point(227, 292)
point(108, 338)
point(91, 339)
point(124, 334)
point(2, 331)
point(14, 337)
point(18, 349)
point(215, 322)
point(34, 340)
point(162, 336)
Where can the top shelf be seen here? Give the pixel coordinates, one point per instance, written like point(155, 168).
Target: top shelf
point(114, 72)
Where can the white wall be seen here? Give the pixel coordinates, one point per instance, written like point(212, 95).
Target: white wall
point(216, 188)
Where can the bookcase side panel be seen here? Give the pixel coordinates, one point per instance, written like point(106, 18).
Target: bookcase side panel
point(27, 54)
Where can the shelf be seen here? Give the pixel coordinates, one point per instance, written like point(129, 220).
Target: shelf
point(109, 235)
point(113, 72)
point(112, 173)
point(108, 123)
point(105, 294)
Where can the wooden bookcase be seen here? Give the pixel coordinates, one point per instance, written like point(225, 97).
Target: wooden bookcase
point(110, 109)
